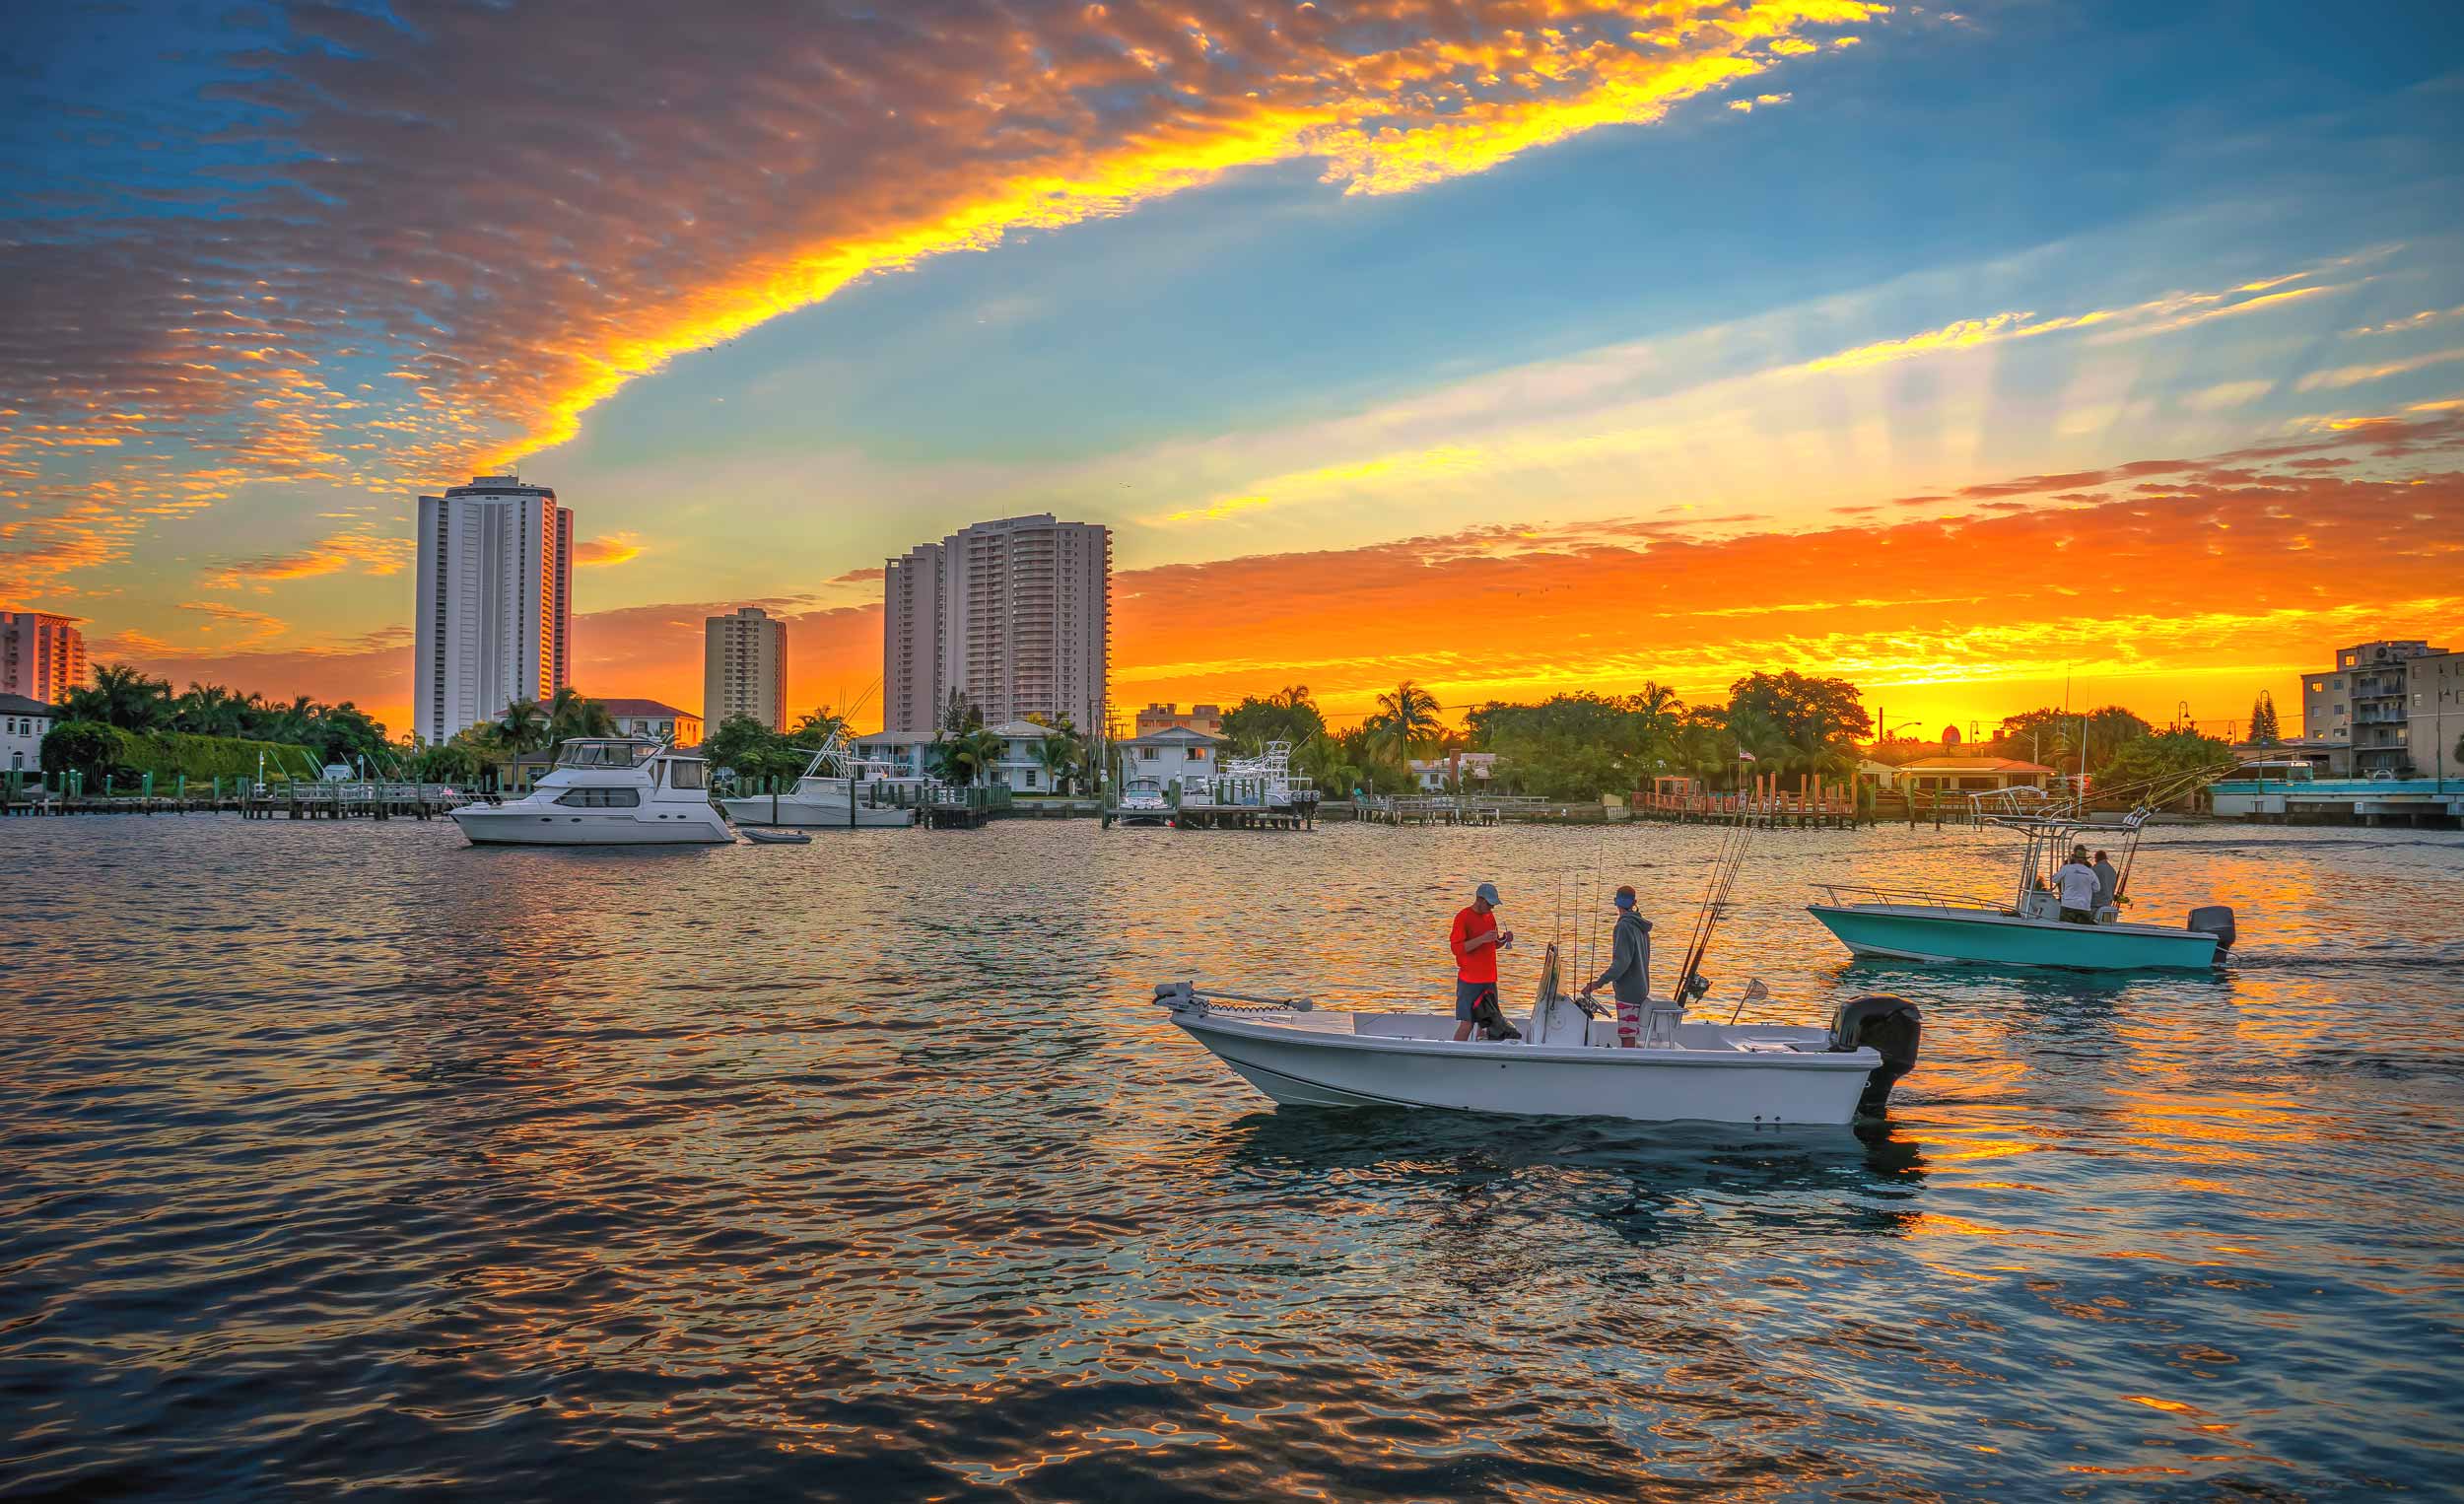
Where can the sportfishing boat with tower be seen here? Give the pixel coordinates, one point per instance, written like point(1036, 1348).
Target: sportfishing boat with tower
point(836, 791)
point(606, 791)
point(1565, 1060)
point(2027, 929)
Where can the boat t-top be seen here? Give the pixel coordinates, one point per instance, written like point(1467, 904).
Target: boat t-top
point(606, 791)
point(2027, 929)
point(836, 791)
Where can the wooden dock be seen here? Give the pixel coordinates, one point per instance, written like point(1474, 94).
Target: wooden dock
point(1243, 817)
point(271, 801)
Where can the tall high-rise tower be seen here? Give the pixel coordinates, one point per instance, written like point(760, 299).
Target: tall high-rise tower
point(1014, 614)
point(43, 656)
point(495, 603)
point(745, 667)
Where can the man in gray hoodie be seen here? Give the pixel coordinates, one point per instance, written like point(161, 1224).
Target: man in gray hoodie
point(1629, 969)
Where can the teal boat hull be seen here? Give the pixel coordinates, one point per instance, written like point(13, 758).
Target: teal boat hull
point(1984, 937)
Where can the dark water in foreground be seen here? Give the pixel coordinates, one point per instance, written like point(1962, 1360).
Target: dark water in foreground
point(348, 1157)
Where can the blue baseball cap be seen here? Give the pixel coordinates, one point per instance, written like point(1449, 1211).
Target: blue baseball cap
point(1486, 890)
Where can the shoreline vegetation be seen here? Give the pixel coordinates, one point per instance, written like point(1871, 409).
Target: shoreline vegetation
point(1575, 746)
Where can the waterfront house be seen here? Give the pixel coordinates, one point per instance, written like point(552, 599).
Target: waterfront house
point(1970, 774)
point(907, 754)
point(1019, 767)
point(1455, 772)
point(1878, 774)
point(1167, 754)
point(23, 723)
point(655, 719)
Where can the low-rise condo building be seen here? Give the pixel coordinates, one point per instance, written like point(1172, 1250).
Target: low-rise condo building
point(1207, 718)
point(2363, 709)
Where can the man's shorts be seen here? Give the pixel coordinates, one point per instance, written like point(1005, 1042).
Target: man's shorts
point(2077, 917)
point(1468, 995)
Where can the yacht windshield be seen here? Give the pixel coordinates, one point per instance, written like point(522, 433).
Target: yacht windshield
point(603, 754)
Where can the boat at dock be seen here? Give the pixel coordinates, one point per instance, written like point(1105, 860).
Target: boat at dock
point(1142, 801)
point(606, 791)
point(1566, 1063)
point(761, 837)
point(836, 791)
point(2027, 930)
point(1261, 793)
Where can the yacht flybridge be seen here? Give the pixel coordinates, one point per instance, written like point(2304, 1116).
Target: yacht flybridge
point(1908, 925)
point(836, 790)
point(606, 791)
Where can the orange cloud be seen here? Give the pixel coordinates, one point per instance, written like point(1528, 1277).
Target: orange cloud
point(615, 548)
point(371, 553)
point(2158, 580)
point(301, 338)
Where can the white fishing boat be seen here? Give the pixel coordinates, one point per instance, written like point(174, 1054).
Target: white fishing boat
point(1566, 1063)
point(605, 792)
point(1565, 1060)
point(836, 791)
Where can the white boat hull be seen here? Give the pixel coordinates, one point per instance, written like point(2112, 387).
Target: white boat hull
point(526, 824)
point(1306, 1059)
point(813, 815)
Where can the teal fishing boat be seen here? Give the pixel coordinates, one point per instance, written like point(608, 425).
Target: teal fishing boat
point(2027, 930)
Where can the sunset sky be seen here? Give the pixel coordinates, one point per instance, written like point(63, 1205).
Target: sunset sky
point(1511, 347)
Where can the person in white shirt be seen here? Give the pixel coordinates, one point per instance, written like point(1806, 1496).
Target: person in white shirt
point(2077, 881)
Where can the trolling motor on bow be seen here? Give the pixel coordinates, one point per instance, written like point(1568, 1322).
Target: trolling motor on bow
point(1890, 1027)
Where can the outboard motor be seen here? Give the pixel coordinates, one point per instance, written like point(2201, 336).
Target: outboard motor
point(1890, 1027)
point(2217, 920)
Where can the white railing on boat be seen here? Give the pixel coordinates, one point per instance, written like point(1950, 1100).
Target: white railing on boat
point(1847, 895)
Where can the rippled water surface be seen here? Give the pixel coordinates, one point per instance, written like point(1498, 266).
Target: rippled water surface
point(351, 1157)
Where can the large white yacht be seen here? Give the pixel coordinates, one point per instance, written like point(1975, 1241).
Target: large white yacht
point(606, 791)
point(837, 792)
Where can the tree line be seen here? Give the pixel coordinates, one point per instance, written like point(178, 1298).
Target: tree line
point(1570, 746)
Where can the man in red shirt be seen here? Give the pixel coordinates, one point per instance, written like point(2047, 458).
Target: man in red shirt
point(1476, 940)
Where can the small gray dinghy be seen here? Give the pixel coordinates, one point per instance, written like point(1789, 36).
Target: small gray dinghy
point(758, 834)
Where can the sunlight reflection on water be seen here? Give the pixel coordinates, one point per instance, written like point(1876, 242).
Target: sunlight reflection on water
point(350, 1155)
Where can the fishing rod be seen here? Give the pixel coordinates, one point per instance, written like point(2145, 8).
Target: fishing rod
point(1728, 859)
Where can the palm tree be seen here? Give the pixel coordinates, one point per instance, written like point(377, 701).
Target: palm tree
point(1404, 720)
point(816, 727)
point(964, 758)
point(1334, 773)
point(120, 696)
point(523, 727)
point(1061, 755)
point(572, 714)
